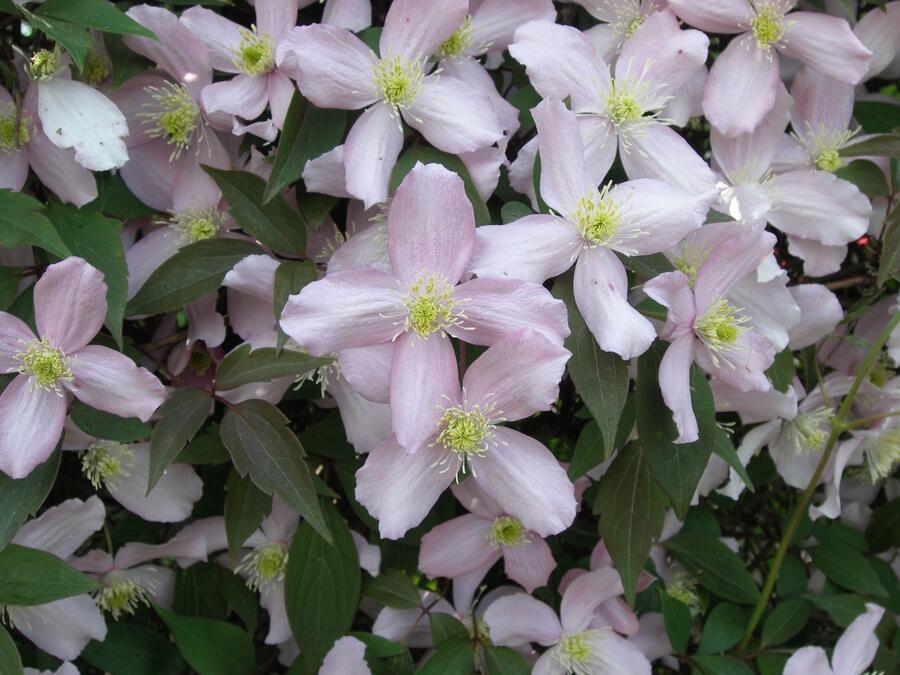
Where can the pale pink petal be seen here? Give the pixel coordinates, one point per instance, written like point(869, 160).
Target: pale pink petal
point(530, 564)
point(521, 172)
point(431, 225)
point(254, 275)
point(332, 67)
point(856, 648)
point(150, 175)
point(221, 36)
point(495, 307)
point(601, 294)
point(600, 146)
point(651, 638)
point(483, 166)
point(424, 381)
point(518, 375)
point(70, 304)
point(615, 614)
point(399, 488)
point(496, 21)
point(243, 95)
point(13, 333)
point(714, 16)
point(31, 421)
point(62, 529)
point(672, 289)
point(879, 31)
point(354, 308)
point(827, 44)
point(527, 481)
point(410, 626)
point(271, 597)
point(618, 656)
point(110, 381)
point(204, 322)
point(675, 384)
point(185, 546)
point(453, 115)
point(366, 424)
point(354, 15)
point(369, 554)
point(149, 253)
point(605, 38)
point(476, 500)
point(730, 262)
point(14, 168)
point(585, 594)
point(564, 180)
point(368, 248)
point(741, 87)
point(519, 619)
point(743, 366)
point(371, 152)
point(281, 89)
point(660, 152)
point(58, 170)
point(346, 657)
point(686, 102)
point(548, 664)
point(808, 661)
point(821, 103)
point(275, 17)
point(281, 523)
point(820, 313)
point(770, 306)
point(61, 628)
point(818, 259)
point(457, 547)
point(414, 29)
point(326, 175)
point(368, 370)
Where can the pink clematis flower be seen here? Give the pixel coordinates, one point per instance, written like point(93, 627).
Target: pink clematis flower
point(702, 325)
point(517, 376)
point(431, 234)
point(335, 69)
point(346, 657)
point(574, 646)
point(743, 82)
point(479, 539)
point(69, 307)
point(634, 218)
point(852, 654)
point(619, 19)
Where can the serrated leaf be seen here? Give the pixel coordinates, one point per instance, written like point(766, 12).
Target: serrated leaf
point(243, 366)
point(245, 507)
point(209, 646)
point(29, 576)
point(504, 661)
point(22, 223)
point(260, 444)
point(23, 497)
point(194, 271)
point(10, 662)
point(723, 628)
point(445, 627)
point(786, 620)
point(454, 656)
point(392, 588)
point(846, 568)
point(715, 566)
point(97, 14)
point(883, 531)
point(180, 418)
point(107, 426)
point(130, 649)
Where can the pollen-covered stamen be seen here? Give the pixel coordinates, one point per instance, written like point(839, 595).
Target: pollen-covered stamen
point(196, 224)
point(97, 67)
point(721, 327)
point(13, 128)
point(688, 268)
point(598, 218)
point(256, 53)
point(768, 24)
point(459, 42)
point(48, 365)
point(883, 370)
point(106, 461)
point(508, 532)
point(398, 81)
point(122, 596)
point(683, 587)
point(575, 654)
point(44, 63)
point(824, 146)
point(466, 432)
point(264, 565)
point(882, 454)
point(809, 430)
point(178, 120)
point(631, 105)
point(431, 306)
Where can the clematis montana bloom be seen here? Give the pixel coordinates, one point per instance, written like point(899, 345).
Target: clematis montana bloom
point(853, 652)
point(69, 309)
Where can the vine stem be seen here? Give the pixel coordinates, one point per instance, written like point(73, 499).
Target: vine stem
point(839, 425)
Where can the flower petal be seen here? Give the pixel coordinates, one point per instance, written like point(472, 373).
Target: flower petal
point(354, 15)
point(70, 304)
point(529, 565)
point(564, 180)
point(63, 627)
point(496, 21)
point(62, 529)
point(371, 152)
point(275, 17)
point(415, 29)
point(660, 152)
point(519, 619)
point(821, 103)
point(827, 44)
point(221, 36)
point(346, 657)
point(31, 421)
point(457, 547)
point(243, 95)
point(856, 648)
point(820, 312)
point(675, 384)
point(368, 370)
point(13, 332)
point(808, 661)
point(713, 16)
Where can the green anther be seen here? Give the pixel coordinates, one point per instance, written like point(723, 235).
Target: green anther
point(683, 587)
point(767, 25)
point(464, 432)
point(598, 217)
point(808, 430)
point(457, 43)
point(398, 81)
point(632, 25)
point(508, 532)
point(720, 327)
point(43, 64)
point(882, 370)
point(256, 53)
point(178, 119)
point(574, 653)
point(687, 268)
point(121, 597)
point(264, 565)
point(203, 228)
point(105, 461)
point(622, 107)
point(429, 304)
point(883, 454)
point(196, 224)
point(45, 363)
point(13, 130)
point(829, 160)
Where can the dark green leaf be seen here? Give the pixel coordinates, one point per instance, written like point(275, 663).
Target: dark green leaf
point(378, 646)
point(129, 649)
point(890, 248)
point(721, 665)
point(883, 532)
point(771, 664)
point(290, 277)
point(647, 266)
point(29, 577)
point(243, 366)
point(677, 620)
point(74, 39)
point(211, 647)
point(321, 585)
point(197, 592)
point(589, 451)
point(725, 449)
point(865, 175)
point(454, 657)
point(195, 270)
point(22, 223)
point(245, 507)
point(884, 145)
point(260, 443)
point(97, 14)
point(504, 661)
point(786, 620)
point(632, 509)
point(723, 628)
point(677, 467)
point(393, 588)
point(792, 579)
point(180, 418)
point(877, 117)
point(782, 370)
point(108, 426)
point(714, 566)
point(9, 285)
point(23, 497)
point(10, 662)
point(116, 200)
point(126, 64)
point(204, 449)
point(512, 211)
point(846, 568)
point(308, 132)
point(240, 598)
point(445, 627)
point(842, 608)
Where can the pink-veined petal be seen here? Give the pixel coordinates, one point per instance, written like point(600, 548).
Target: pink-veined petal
point(519, 619)
point(367, 424)
point(354, 15)
point(827, 44)
point(70, 304)
point(13, 333)
point(62, 529)
point(149, 253)
point(820, 313)
point(879, 31)
point(415, 29)
point(564, 180)
point(370, 154)
point(821, 103)
point(62, 627)
point(243, 95)
point(585, 594)
point(368, 370)
point(714, 16)
point(675, 384)
point(496, 21)
point(31, 421)
point(660, 152)
point(275, 17)
point(221, 36)
point(530, 564)
point(457, 547)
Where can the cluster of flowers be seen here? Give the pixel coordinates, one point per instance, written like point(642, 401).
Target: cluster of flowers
point(434, 333)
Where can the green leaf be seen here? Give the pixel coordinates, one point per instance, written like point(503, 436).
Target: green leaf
point(9, 285)
point(74, 39)
point(195, 270)
point(782, 370)
point(445, 627)
point(116, 199)
point(714, 566)
point(771, 664)
point(677, 620)
point(721, 665)
point(243, 366)
point(256, 434)
point(290, 277)
point(129, 649)
point(883, 532)
point(10, 662)
point(209, 646)
point(180, 418)
point(23, 497)
point(243, 601)
point(428, 155)
point(601, 378)
point(454, 656)
point(275, 224)
point(677, 467)
point(512, 211)
point(97, 14)
point(504, 661)
point(378, 646)
point(865, 175)
point(890, 248)
point(723, 629)
point(321, 587)
point(589, 451)
point(792, 579)
point(206, 448)
point(877, 117)
point(632, 509)
point(245, 507)
point(842, 607)
point(884, 145)
point(126, 64)
point(197, 592)
point(786, 620)
point(392, 588)
point(22, 223)
point(725, 449)
point(846, 568)
point(647, 266)
point(108, 426)
point(308, 132)
point(29, 576)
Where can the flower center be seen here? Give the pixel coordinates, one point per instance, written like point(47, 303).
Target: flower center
point(264, 565)
point(256, 53)
point(632, 24)
point(96, 68)
point(720, 327)
point(574, 653)
point(398, 81)
point(683, 588)
point(45, 363)
point(882, 370)
point(121, 597)
point(883, 454)
point(457, 43)
point(508, 532)
point(829, 160)
point(197, 224)
point(598, 218)
point(465, 432)
point(13, 129)
point(43, 64)
point(178, 119)
point(767, 25)
point(806, 430)
point(430, 303)
point(688, 268)
point(622, 107)
point(106, 461)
